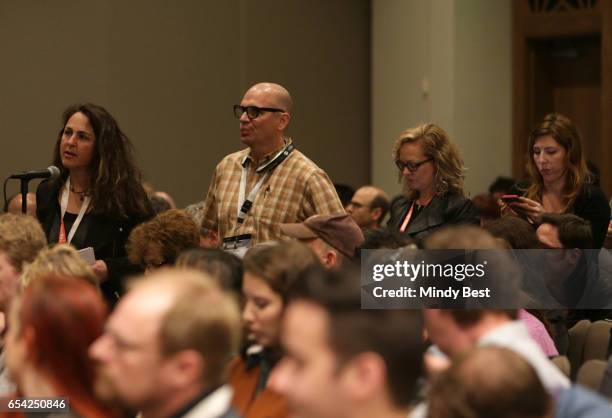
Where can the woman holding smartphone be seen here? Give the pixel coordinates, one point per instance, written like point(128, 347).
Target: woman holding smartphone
point(559, 179)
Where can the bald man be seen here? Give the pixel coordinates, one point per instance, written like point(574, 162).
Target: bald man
point(268, 183)
point(368, 207)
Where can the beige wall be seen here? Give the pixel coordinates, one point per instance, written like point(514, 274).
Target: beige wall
point(447, 62)
point(169, 71)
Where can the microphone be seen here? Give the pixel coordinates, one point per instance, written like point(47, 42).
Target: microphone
point(51, 171)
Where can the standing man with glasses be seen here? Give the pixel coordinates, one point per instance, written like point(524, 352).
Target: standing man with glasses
point(254, 190)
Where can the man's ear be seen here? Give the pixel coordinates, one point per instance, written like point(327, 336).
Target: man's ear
point(376, 214)
point(184, 368)
point(330, 259)
point(364, 376)
point(284, 120)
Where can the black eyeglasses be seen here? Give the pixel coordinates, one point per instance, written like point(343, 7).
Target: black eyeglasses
point(412, 167)
point(253, 111)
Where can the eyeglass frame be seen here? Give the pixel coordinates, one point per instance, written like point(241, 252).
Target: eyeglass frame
point(258, 110)
point(412, 167)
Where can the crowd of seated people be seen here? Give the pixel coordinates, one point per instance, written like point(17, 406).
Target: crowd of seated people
point(113, 298)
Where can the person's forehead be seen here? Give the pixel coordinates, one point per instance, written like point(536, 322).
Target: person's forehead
point(364, 195)
point(140, 313)
point(411, 149)
point(306, 327)
point(546, 141)
point(79, 120)
point(260, 96)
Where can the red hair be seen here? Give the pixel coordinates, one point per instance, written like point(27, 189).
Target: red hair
point(66, 315)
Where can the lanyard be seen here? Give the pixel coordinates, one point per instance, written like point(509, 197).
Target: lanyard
point(64, 205)
point(407, 218)
point(244, 205)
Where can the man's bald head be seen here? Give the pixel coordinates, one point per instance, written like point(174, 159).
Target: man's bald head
point(278, 95)
point(368, 206)
point(489, 382)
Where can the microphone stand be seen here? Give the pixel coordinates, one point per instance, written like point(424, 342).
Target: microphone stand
point(24, 195)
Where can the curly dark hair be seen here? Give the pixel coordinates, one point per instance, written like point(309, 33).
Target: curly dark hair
point(171, 232)
point(116, 180)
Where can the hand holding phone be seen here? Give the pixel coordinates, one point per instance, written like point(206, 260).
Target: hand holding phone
point(510, 198)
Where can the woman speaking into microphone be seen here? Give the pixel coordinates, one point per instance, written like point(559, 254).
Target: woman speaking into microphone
point(98, 198)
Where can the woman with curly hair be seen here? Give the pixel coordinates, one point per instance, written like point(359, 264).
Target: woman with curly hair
point(432, 172)
point(559, 179)
point(159, 242)
point(98, 198)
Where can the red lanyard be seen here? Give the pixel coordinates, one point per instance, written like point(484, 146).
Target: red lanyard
point(407, 218)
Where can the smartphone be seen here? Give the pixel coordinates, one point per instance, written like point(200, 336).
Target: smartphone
point(510, 198)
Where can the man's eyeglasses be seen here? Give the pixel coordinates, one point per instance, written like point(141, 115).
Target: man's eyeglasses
point(253, 111)
point(412, 167)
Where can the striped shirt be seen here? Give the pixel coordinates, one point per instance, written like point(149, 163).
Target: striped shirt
point(296, 190)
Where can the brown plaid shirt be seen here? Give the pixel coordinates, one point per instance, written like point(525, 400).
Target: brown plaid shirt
point(295, 190)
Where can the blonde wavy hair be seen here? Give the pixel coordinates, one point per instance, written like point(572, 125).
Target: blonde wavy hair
point(61, 260)
point(565, 133)
point(449, 173)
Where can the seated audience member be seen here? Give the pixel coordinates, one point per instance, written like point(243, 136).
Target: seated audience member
point(579, 278)
point(489, 382)
point(345, 192)
point(61, 260)
point(158, 242)
point(52, 324)
point(368, 207)
point(344, 362)
point(501, 186)
point(14, 204)
point(333, 238)
point(564, 231)
point(546, 328)
point(456, 331)
point(559, 179)
point(21, 238)
point(388, 239)
point(269, 270)
point(488, 207)
point(208, 238)
point(519, 235)
point(160, 201)
point(224, 267)
point(166, 347)
point(166, 197)
point(432, 172)
point(517, 232)
point(159, 204)
point(493, 382)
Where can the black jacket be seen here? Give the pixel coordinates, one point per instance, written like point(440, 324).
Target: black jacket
point(106, 235)
point(442, 210)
